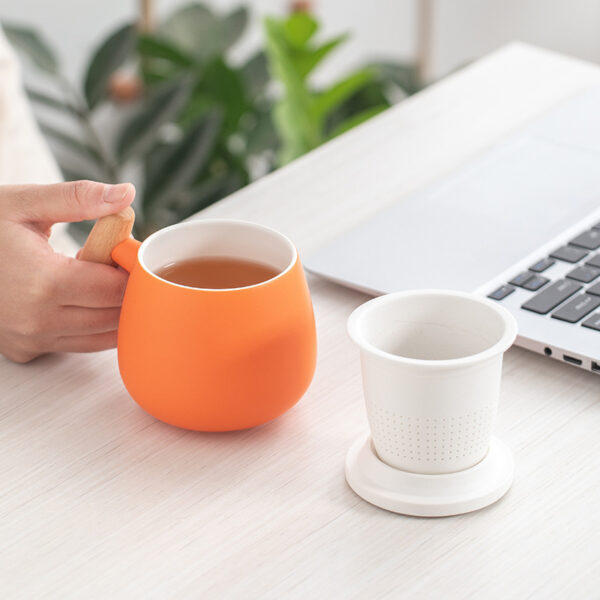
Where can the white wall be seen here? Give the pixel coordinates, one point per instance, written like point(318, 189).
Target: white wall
point(379, 27)
point(463, 29)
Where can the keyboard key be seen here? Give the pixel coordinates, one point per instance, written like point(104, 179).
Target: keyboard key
point(579, 307)
point(570, 254)
point(588, 239)
point(595, 289)
point(541, 265)
point(535, 283)
point(552, 296)
point(593, 322)
point(593, 261)
point(584, 274)
point(521, 278)
point(502, 292)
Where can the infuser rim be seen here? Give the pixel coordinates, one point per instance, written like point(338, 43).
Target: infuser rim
point(506, 340)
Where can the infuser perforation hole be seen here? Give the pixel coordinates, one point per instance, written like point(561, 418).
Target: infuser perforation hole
point(430, 440)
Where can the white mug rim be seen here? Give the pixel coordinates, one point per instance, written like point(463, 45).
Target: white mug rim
point(504, 343)
point(214, 221)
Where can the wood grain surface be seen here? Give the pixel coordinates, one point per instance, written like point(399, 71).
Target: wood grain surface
point(99, 500)
point(107, 232)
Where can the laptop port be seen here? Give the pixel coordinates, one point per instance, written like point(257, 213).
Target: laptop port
point(572, 359)
point(548, 351)
point(595, 366)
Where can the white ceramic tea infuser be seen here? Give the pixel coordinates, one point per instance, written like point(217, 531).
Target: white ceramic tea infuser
point(431, 365)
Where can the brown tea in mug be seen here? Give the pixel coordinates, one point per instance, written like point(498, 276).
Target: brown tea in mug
point(216, 272)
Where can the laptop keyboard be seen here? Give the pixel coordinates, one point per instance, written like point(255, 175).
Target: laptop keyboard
point(572, 299)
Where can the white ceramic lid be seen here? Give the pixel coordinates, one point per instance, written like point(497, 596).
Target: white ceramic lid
point(429, 495)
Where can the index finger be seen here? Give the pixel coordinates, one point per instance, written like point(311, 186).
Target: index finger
point(70, 201)
point(89, 284)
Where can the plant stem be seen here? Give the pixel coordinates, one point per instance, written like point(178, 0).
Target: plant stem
point(146, 16)
point(424, 40)
point(146, 24)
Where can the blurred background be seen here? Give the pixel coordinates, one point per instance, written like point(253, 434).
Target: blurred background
point(192, 101)
point(462, 29)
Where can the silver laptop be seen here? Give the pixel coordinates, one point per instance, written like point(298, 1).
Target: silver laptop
point(519, 224)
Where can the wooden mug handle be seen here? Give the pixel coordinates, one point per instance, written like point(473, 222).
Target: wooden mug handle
point(107, 233)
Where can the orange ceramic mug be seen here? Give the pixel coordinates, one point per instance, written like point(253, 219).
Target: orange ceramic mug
point(215, 359)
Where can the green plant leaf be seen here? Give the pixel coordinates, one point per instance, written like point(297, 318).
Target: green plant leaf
point(372, 94)
point(77, 159)
point(161, 59)
point(338, 93)
point(52, 102)
point(299, 28)
point(400, 74)
point(155, 75)
point(262, 135)
point(225, 88)
point(107, 58)
point(294, 115)
point(233, 26)
point(296, 130)
point(188, 25)
point(255, 73)
point(162, 105)
point(197, 107)
point(33, 46)
point(151, 46)
point(205, 193)
point(72, 173)
point(357, 119)
point(154, 159)
point(308, 59)
point(197, 30)
point(180, 164)
point(229, 162)
point(80, 148)
point(80, 230)
point(281, 64)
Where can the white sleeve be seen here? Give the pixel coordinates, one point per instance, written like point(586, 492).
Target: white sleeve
point(24, 154)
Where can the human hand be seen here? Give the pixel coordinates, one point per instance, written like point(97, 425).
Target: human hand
point(50, 302)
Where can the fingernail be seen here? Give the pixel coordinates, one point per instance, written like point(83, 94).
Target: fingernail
point(115, 193)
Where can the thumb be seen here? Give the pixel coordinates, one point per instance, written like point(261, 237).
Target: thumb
point(71, 201)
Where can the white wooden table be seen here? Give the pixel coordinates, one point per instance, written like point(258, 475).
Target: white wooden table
point(99, 500)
